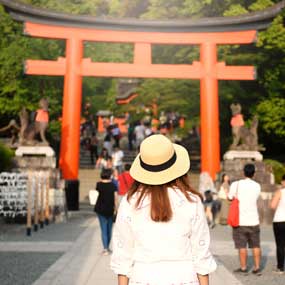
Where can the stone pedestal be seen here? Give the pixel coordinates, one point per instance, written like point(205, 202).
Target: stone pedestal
point(39, 161)
point(35, 157)
point(243, 154)
point(35, 151)
point(233, 164)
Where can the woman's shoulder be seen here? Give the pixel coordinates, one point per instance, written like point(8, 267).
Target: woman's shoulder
point(177, 194)
point(126, 205)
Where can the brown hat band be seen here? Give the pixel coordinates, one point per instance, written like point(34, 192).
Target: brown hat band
point(158, 167)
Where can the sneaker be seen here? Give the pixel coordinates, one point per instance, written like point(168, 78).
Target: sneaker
point(257, 272)
point(278, 271)
point(105, 252)
point(239, 270)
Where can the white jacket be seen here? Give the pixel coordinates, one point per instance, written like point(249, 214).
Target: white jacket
point(185, 237)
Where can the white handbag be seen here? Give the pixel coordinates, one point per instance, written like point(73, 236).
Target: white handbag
point(93, 196)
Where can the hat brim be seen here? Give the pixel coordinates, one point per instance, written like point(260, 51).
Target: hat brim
point(179, 168)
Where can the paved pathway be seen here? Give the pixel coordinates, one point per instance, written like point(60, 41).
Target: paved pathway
point(83, 264)
point(70, 254)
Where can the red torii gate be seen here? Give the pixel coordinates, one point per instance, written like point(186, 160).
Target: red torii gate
point(207, 33)
point(73, 67)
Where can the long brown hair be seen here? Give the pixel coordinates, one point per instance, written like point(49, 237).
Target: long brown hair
point(160, 208)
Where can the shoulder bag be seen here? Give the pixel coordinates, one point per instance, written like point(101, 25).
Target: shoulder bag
point(233, 215)
point(93, 196)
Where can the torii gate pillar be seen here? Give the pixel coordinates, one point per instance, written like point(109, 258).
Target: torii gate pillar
point(71, 111)
point(209, 111)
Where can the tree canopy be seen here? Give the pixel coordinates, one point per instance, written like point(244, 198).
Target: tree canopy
point(264, 97)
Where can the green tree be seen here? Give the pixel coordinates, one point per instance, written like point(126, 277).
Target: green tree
point(266, 94)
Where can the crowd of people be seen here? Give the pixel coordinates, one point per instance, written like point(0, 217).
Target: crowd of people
point(147, 126)
point(139, 190)
point(247, 234)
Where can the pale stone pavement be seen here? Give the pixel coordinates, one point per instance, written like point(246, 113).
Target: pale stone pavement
point(70, 254)
point(83, 264)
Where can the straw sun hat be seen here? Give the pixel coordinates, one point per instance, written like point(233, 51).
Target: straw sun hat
point(159, 161)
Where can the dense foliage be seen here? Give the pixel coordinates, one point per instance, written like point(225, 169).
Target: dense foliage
point(6, 156)
point(277, 168)
point(264, 96)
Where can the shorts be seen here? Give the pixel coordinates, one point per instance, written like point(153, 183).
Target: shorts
point(208, 204)
point(246, 235)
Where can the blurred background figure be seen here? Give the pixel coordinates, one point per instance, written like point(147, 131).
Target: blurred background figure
point(131, 136)
point(125, 181)
point(208, 190)
point(223, 197)
point(93, 148)
point(139, 132)
point(104, 160)
point(117, 159)
point(107, 143)
point(116, 133)
point(278, 204)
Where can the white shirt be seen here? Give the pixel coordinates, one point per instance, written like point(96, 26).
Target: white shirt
point(138, 239)
point(139, 131)
point(117, 157)
point(279, 215)
point(222, 194)
point(247, 191)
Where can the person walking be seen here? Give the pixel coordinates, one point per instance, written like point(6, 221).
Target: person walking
point(116, 133)
point(107, 142)
point(117, 159)
point(247, 192)
point(93, 148)
point(131, 136)
point(104, 160)
point(125, 181)
point(278, 204)
point(105, 207)
point(208, 191)
point(223, 197)
point(161, 234)
point(139, 133)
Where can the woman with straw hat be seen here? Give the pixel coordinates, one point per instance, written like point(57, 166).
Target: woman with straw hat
point(161, 235)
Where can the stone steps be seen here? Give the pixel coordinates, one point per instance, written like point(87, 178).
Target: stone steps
point(88, 179)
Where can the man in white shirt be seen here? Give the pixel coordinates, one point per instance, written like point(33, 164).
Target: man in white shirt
point(247, 192)
point(117, 159)
point(139, 132)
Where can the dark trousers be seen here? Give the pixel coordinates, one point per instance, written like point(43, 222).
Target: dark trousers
point(279, 234)
point(106, 224)
point(130, 141)
point(117, 141)
point(93, 153)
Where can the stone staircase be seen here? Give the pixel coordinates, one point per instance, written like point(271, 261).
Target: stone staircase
point(192, 144)
point(85, 161)
point(129, 156)
point(89, 176)
point(88, 179)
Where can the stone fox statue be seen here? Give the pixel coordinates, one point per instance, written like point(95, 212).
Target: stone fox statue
point(244, 138)
point(28, 131)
